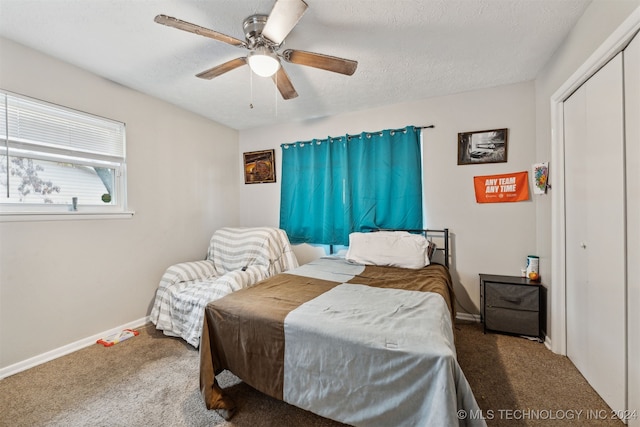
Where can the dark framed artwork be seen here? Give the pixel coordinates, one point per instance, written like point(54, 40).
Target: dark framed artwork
point(485, 146)
point(259, 167)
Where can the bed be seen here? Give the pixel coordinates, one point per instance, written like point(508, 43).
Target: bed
point(357, 342)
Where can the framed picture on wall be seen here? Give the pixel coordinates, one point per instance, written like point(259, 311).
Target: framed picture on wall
point(485, 146)
point(259, 167)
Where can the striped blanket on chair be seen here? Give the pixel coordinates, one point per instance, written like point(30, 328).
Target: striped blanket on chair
point(237, 258)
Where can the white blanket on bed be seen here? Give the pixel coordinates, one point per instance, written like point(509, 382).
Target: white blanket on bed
point(368, 356)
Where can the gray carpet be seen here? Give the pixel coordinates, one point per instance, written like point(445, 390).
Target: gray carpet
point(518, 382)
point(152, 380)
point(148, 380)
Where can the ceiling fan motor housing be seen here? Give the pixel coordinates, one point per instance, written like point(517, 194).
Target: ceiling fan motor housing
point(253, 27)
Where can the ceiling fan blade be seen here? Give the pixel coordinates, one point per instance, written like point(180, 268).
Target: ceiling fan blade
point(282, 81)
point(324, 62)
point(283, 17)
point(222, 68)
point(196, 29)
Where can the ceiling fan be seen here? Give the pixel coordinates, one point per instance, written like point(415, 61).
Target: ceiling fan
point(265, 36)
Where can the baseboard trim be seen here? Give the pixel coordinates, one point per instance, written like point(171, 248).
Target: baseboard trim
point(66, 349)
point(468, 317)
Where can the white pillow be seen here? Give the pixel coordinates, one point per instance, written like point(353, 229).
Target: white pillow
point(389, 248)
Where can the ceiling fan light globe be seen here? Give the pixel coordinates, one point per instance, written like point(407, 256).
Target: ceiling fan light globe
point(263, 64)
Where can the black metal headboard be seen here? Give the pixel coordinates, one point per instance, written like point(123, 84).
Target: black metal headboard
point(442, 233)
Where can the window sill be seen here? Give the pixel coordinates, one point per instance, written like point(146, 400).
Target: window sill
point(61, 216)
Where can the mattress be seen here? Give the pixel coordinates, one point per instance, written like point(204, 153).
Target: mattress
point(362, 345)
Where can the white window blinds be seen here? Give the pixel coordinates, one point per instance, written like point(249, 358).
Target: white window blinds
point(58, 130)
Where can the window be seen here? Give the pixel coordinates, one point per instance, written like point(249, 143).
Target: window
point(54, 159)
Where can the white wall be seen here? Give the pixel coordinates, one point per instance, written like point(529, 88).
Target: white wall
point(62, 281)
point(600, 19)
point(487, 238)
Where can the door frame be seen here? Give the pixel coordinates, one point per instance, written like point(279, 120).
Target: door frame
point(614, 44)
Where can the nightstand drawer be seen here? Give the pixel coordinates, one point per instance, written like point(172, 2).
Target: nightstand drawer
point(512, 296)
point(512, 321)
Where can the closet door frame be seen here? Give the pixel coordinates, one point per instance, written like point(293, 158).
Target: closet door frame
point(616, 42)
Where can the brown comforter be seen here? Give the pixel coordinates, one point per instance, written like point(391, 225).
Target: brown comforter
point(244, 331)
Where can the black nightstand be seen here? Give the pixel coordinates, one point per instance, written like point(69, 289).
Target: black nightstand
point(513, 305)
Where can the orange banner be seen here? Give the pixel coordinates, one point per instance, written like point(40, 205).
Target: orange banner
point(508, 187)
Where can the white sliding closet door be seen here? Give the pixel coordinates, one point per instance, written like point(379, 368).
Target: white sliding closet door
point(632, 124)
point(595, 232)
point(577, 201)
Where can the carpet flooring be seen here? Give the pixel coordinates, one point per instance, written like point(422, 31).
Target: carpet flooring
point(152, 380)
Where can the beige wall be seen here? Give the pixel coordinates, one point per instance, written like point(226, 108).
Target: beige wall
point(600, 19)
point(63, 281)
point(487, 238)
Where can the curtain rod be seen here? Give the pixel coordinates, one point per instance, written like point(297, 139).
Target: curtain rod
point(415, 127)
point(392, 130)
point(358, 135)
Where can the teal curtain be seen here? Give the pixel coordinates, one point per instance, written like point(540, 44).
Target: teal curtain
point(336, 186)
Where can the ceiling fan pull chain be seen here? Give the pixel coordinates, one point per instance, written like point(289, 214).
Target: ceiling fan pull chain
point(251, 86)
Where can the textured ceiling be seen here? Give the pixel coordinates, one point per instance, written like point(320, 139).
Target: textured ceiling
point(406, 49)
